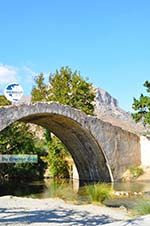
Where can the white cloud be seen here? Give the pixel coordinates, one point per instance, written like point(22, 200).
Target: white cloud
point(24, 75)
point(7, 74)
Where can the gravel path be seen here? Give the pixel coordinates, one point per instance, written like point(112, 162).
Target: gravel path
point(35, 212)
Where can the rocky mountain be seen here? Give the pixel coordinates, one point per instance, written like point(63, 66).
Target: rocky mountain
point(107, 108)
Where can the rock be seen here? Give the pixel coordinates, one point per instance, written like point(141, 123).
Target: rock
point(104, 98)
point(107, 108)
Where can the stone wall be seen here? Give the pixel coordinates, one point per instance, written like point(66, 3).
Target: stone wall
point(121, 148)
point(101, 151)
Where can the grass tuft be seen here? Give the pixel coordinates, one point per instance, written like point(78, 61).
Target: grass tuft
point(99, 192)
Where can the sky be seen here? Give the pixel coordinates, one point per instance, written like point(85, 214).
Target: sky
point(108, 41)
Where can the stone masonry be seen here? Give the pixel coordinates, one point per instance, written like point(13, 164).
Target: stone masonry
point(101, 151)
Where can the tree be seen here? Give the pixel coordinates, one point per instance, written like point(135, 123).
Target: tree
point(57, 155)
point(19, 139)
point(142, 106)
point(39, 91)
point(66, 87)
point(57, 158)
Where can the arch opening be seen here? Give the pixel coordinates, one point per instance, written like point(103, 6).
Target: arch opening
point(86, 153)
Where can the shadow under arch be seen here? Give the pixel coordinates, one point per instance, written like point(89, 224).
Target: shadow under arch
point(83, 147)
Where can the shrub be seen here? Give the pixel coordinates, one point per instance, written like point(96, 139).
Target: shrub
point(136, 171)
point(98, 192)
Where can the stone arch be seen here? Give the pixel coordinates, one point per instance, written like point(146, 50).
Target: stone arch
point(71, 127)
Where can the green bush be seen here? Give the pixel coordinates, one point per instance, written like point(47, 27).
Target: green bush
point(142, 207)
point(18, 139)
point(56, 158)
point(136, 171)
point(99, 192)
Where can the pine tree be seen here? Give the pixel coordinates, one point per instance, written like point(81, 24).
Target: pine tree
point(142, 106)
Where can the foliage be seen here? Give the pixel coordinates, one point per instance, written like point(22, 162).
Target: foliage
point(142, 106)
point(57, 158)
point(99, 192)
point(66, 87)
point(4, 101)
point(142, 207)
point(136, 171)
point(39, 92)
point(17, 139)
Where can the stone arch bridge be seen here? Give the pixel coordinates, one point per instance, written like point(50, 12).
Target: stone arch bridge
point(101, 151)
